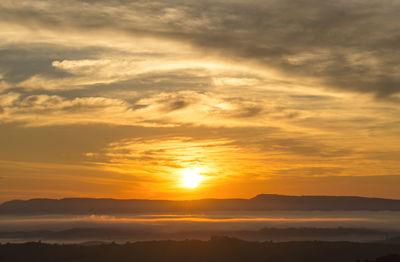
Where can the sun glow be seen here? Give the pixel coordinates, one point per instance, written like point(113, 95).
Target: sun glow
point(191, 178)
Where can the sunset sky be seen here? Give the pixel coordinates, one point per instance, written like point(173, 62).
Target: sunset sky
point(121, 99)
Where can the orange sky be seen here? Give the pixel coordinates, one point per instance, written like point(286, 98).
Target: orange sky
point(119, 98)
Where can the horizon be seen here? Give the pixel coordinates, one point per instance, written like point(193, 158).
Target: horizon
point(190, 199)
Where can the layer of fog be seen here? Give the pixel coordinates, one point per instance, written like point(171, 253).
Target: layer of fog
point(167, 223)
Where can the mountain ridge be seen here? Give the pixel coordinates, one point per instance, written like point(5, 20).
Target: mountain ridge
point(261, 202)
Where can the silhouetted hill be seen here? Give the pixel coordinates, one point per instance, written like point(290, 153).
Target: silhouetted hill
point(258, 203)
point(217, 249)
point(276, 234)
point(393, 240)
point(387, 258)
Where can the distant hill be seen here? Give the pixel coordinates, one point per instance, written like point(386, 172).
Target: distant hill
point(266, 234)
point(264, 202)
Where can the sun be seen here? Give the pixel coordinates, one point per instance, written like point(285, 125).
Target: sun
point(191, 178)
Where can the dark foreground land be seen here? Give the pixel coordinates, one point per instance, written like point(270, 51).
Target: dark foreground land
point(217, 249)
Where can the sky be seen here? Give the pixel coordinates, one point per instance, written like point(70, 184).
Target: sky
point(119, 98)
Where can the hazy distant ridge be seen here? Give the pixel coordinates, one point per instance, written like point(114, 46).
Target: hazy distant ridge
point(259, 203)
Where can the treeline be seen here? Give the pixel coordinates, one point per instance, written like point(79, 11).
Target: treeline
point(121, 233)
point(217, 249)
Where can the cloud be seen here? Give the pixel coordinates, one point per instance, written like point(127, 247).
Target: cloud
point(313, 171)
point(22, 61)
point(39, 110)
point(163, 109)
point(177, 104)
point(288, 88)
point(85, 66)
point(9, 99)
point(346, 45)
point(250, 111)
point(238, 60)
